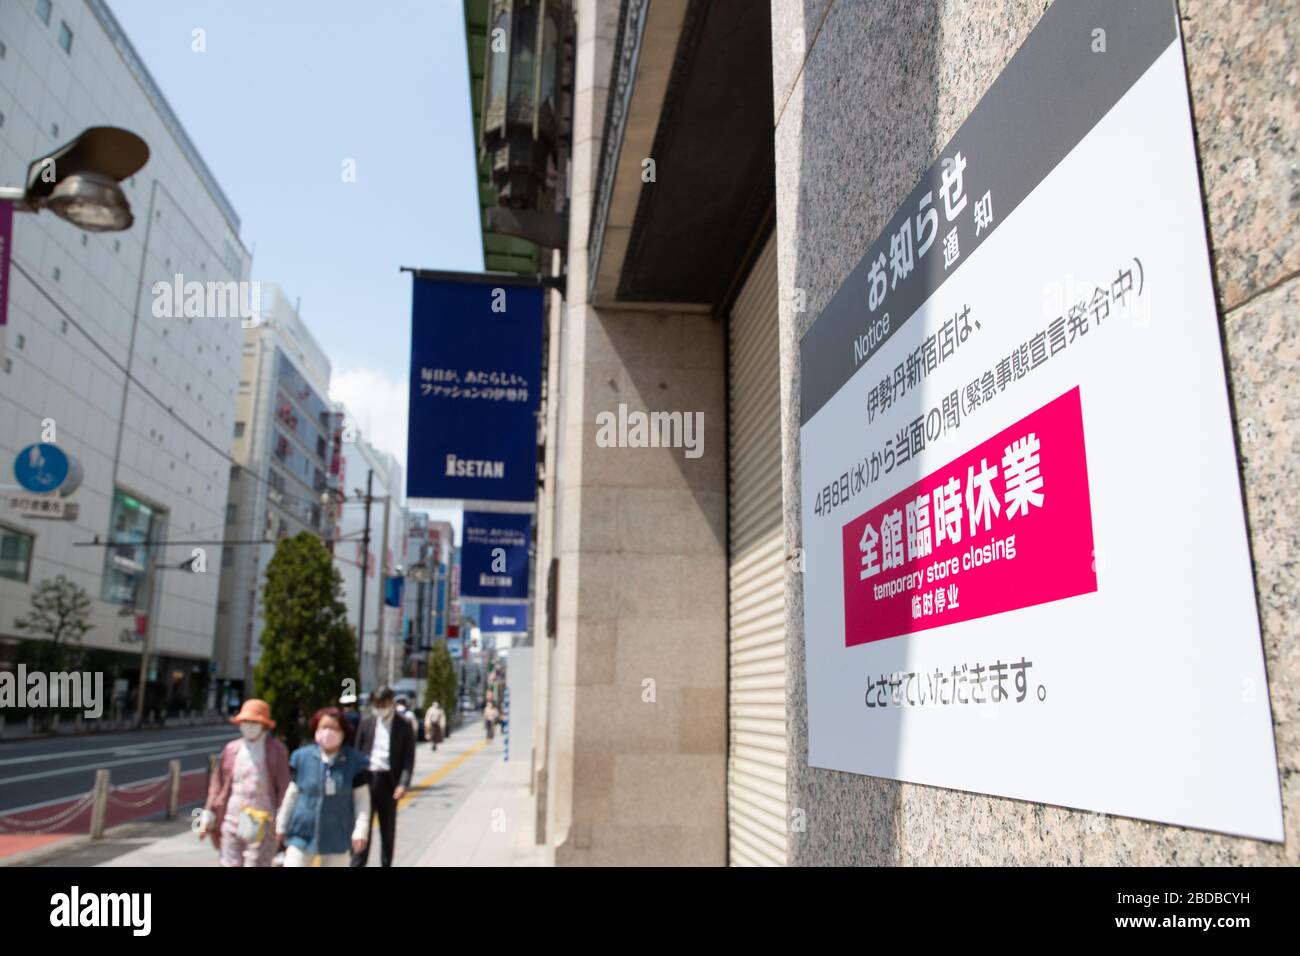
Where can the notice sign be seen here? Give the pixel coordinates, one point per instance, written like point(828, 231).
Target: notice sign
point(1026, 569)
point(978, 536)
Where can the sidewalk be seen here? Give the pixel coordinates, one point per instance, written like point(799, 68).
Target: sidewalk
point(445, 784)
point(495, 826)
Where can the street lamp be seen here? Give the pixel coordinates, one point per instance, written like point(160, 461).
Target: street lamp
point(523, 121)
point(81, 180)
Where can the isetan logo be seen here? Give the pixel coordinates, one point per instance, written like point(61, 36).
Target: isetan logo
point(75, 909)
point(652, 430)
point(474, 468)
point(82, 691)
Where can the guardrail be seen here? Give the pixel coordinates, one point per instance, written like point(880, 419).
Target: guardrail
point(98, 801)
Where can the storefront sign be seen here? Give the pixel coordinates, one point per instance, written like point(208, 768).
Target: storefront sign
point(476, 360)
point(503, 618)
point(494, 556)
point(1026, 569)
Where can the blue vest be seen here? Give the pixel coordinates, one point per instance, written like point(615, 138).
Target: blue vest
point(322, 823)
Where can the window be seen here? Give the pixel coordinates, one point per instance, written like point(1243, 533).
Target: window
point(43, 11)
point(232, 511)
point(133, 528)
point(15, 554)
point(239, 429)
point(65, 38)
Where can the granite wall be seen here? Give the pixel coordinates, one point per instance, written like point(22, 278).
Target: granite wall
point(636, 752)
point(865, 97)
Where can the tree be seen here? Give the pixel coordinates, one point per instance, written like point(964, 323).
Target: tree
point(308, 647)
point(60, 615)
point(441, 684)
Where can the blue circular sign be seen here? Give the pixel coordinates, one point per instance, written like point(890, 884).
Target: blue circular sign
point(41, 468)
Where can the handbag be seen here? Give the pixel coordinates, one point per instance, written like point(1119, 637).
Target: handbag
point(252, 825)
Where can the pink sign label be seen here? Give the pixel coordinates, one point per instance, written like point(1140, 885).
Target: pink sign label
point(1006, 525)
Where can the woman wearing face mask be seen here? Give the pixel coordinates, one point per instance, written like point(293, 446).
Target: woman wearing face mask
point(325, 815)
point(250, 781)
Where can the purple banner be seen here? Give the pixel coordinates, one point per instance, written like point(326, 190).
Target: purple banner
point(6, 240)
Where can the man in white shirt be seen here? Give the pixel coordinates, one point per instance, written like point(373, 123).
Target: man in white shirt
point(388, 740)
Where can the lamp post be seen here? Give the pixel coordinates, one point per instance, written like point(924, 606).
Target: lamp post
point(81, 180)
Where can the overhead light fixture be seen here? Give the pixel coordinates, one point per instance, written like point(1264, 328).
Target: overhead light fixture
point(81, 180)
point(91, 201)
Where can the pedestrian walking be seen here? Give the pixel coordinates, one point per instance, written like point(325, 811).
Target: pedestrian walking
point(350, 712)
point(490, 717)
point(247, 785)
point(388, 742)
point(325, 815)
point(435, 724)
point(404, 711)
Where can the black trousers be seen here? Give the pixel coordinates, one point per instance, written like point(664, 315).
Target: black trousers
point(382, 804)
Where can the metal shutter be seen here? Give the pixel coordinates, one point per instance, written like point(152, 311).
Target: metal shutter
point(756, 750)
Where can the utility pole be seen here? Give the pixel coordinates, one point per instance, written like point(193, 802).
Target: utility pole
point(381, 639)
point(365, 571)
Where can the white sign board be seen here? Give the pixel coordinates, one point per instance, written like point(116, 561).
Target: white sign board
point(37, 506)
point(1026, 569)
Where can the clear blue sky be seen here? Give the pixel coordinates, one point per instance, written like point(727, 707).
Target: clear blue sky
point(286, 91)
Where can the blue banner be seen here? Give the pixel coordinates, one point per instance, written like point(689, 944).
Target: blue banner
point(503, 618)
point(494, 555)
point(476, 369)
point(393, 589)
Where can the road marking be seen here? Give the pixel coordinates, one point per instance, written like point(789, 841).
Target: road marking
point(441, 772)
point(88, 768)
point(113, 749)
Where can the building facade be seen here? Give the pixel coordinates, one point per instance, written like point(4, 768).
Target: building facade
point(285, 448)
point(382, 638)
point(729, 166)
point(429, 545)
point(140, 393)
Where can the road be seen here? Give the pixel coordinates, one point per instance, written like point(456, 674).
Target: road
point(36, 772)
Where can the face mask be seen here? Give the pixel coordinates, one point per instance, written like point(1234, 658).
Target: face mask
point(251, 729)
point(329, 738)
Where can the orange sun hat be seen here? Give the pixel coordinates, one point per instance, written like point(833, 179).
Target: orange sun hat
point(254, 709)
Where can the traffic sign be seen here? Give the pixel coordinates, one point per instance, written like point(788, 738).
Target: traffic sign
point(41, 468)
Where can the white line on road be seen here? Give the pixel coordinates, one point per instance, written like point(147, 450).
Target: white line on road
point(114, 749)
point(83, 768)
